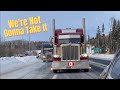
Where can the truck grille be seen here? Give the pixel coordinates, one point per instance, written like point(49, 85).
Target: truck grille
point(70, 52)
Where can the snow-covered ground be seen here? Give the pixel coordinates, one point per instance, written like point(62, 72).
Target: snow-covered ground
point(102, 56)
point(10, 63)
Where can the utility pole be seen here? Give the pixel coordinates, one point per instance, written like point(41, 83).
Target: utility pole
point(84, 33)
point(43, 47)
point(22, 44)
point(29, 42)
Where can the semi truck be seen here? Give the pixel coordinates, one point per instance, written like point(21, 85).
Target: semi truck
point(46, 52)
point(68, 49)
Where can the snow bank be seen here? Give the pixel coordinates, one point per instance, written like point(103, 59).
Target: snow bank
point(10, 63)
point(27, 59)
point(102, 56)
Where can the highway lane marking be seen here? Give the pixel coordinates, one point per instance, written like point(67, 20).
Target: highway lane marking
point(54, 77)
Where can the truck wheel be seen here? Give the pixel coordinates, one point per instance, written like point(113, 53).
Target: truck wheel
point(54, 71)
point(86, 70)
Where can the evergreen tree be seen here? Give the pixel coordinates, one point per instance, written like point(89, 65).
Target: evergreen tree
point(98, 37)
point(103, 39)
point(114, 38)
point(118, 34)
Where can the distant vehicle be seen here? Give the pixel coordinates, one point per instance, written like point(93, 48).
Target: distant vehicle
point(112, 71)
point(46, 52)
point(28, 53)
point(68, 49)
point(21, 55)
point(38, 54)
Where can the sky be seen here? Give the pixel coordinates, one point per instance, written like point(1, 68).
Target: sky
point(64, 19)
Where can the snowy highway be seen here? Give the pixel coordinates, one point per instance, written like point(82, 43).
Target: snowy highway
point(36, 69)
point(21, 72)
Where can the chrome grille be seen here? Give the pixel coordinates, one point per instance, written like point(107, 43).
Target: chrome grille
point(70, 52)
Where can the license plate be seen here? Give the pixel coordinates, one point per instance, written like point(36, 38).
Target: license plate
point(70, 64)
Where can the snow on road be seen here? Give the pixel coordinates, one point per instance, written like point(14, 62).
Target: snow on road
point(10, 63)
point(102, 56)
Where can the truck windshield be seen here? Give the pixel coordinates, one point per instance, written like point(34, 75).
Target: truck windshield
point(48, 51)
point(69, 40)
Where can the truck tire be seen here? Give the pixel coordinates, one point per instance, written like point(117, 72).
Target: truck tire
point(54, 71)
point(86, 70)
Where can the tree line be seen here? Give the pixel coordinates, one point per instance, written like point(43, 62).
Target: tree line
point(110, 41)
point(12, 48)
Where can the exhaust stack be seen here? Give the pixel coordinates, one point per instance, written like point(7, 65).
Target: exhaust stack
point(53, 30)
point(84, 33)
point(54, 36)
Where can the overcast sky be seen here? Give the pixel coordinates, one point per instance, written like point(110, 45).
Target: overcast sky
point(64, 19)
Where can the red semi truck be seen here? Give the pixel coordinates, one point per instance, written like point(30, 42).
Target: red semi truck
point(68, 49)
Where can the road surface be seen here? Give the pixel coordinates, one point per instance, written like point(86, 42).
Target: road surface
point(36, 71)
point(105, 62)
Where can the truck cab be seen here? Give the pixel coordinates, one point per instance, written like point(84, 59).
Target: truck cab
point(68, 50)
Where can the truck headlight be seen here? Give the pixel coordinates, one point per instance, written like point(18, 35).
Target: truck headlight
point(43, 56)
point(56, 56)
point(84, 55)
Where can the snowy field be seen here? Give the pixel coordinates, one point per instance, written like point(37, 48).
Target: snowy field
point(10, 63)
point(102, 56)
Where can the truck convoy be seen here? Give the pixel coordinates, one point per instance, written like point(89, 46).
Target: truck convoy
point(68, 49)
point(46, 52)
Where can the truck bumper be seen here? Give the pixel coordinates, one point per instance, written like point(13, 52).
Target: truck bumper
point(58, 65)
point(50, 60)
